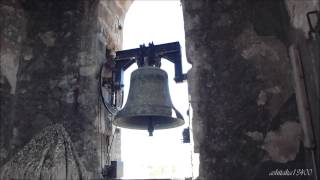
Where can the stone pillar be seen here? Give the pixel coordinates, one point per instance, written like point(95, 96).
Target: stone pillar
point(245, 120)
point(51, 52)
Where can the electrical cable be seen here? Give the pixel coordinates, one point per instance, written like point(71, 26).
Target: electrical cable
point(110, 110)
point(110, 144)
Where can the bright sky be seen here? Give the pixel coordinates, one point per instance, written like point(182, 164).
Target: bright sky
point(163, 155)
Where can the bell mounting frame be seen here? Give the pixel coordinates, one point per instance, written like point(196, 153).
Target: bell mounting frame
point(144, 56)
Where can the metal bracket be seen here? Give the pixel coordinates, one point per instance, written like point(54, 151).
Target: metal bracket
point(150, 56)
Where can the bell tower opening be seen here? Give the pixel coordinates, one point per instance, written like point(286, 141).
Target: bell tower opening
point(163, 155)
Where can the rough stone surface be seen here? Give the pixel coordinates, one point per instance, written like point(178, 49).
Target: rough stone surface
point(241, 86)
point(50, 154)
point(283, 145)
point(240, 83)
point(50, 53)
point(12, 32)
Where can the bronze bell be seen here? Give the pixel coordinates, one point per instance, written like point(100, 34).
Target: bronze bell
point(149, 105)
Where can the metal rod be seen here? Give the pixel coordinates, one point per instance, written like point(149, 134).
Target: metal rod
point(303, 105)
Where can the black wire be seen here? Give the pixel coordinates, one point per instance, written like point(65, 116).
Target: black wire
point(109, 109)
point(110, 145)
point(112, 111)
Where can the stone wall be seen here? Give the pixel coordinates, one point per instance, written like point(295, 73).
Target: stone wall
point(245, 120)
point(245, 115)
point(51, 52)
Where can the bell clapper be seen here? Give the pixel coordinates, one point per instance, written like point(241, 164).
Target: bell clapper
point(150, 127)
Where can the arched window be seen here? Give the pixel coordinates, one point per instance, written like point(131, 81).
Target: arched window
point(163, 155)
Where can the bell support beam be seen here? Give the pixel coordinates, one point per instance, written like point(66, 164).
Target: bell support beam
point(170, 51)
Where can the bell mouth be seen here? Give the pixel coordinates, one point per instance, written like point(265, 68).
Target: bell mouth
point(142, 122)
